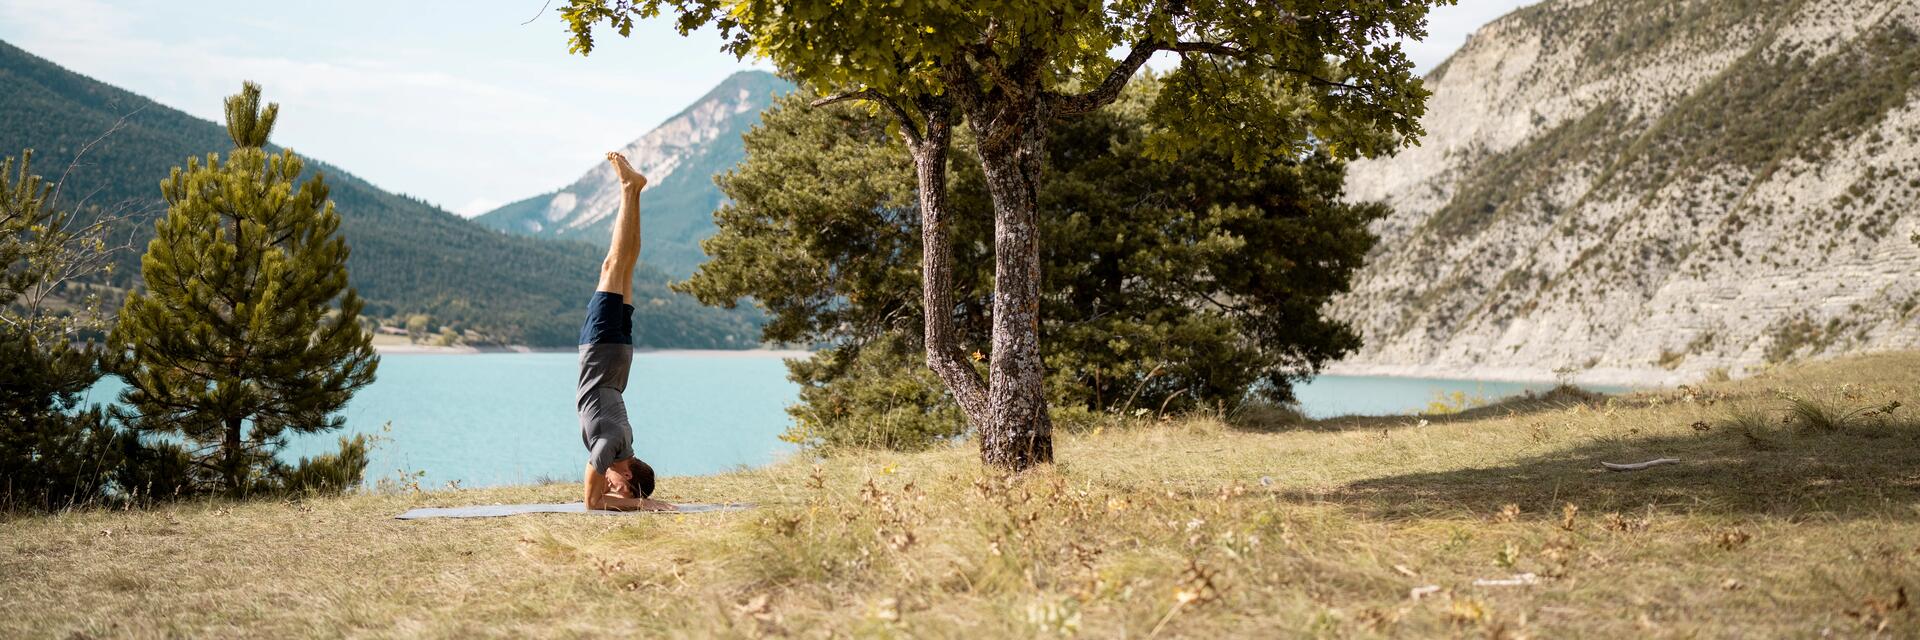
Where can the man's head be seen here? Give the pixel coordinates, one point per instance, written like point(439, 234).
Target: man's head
point(630, 478)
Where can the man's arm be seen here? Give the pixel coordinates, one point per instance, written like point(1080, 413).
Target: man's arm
point(601, 497)
point(596, 489)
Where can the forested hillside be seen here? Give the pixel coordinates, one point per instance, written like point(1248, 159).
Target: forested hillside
point(1619, 186)
point(408, 256)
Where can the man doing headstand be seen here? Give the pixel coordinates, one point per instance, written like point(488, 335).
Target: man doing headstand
point(615, 478)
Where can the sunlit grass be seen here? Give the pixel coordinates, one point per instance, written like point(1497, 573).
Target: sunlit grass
point(1492, 520)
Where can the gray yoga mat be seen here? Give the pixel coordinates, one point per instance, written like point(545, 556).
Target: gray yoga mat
point(498, 510)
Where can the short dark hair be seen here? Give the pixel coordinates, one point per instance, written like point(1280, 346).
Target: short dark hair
point(642, 483)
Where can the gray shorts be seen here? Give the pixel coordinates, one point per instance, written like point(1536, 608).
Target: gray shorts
point(603, 414)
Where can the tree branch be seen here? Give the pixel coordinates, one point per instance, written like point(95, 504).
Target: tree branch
point(1230, 51)
point(1109, 88)
point(1215, 48)
point(1116, 80)
point(944, 355)
point(907, 126)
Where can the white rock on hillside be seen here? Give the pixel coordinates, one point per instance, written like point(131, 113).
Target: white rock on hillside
point(1646, 191)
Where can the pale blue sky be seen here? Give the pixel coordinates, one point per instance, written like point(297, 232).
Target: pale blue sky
point(454, 102)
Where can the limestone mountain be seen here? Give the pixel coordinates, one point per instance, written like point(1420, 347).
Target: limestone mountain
point(680, 158)
point(408, 256)
point(1621, 186)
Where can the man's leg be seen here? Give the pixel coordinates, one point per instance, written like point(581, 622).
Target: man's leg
point(606, 351)
point(623, 253)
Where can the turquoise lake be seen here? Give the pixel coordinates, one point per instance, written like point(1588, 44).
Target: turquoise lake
point(508, 418)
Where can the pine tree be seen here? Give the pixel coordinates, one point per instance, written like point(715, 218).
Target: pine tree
point(237, 338)
point(54, 450)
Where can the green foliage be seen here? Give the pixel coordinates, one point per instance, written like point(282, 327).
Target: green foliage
point(409, 256)
point(1168, 285)
point(53, 450)
point(1265, 86)
point(874, 395)
point(328, 473)
point(1810, 413)
point(247, 328)
point(1281, 79)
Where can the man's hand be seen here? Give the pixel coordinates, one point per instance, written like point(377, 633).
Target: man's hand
point(612, 502)
point(631, 181)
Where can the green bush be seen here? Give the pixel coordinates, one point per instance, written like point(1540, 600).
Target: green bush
point(330, 473)
point(875, 396)
point(54, 451)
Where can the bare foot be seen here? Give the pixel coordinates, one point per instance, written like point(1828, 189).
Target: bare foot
point(629, 179)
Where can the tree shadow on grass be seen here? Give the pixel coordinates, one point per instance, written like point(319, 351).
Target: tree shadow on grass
point(1859, 472)
point(1560, 398)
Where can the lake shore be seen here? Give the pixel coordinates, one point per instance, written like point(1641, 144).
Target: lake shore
point(1605, 376)
point(1618, 377)
point(423, 349)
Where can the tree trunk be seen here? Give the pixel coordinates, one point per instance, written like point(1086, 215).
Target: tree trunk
point(233, 463)
point(944, 357)
point(1017, 434)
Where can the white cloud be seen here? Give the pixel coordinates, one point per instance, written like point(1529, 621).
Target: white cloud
point(413, 120)
point(476, 207)
point(479, 109)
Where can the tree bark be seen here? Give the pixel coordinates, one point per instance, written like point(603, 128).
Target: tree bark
point(944, 356)
point(1018, 433)
point(1009, 409)
point(233, 455)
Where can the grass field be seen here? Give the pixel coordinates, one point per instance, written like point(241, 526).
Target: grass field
point(1794, 512)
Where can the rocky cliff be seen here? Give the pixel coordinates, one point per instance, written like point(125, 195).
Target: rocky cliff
point(1651, 190)
point(680, 158)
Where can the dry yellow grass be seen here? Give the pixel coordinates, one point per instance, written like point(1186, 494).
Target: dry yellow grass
point(1186, 529)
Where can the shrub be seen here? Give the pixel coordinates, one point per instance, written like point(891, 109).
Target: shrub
point(1267, 416)
point(875, 396)
point(1810, 414)
point(330, 473)
point(53, 450)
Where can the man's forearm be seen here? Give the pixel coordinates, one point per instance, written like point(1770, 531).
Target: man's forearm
point(617, 503)
point(596, 485)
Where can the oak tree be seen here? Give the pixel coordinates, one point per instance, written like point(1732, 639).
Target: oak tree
point(834, 260)
point(1261, 80)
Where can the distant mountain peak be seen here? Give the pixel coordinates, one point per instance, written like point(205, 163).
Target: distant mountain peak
point(408, 256)
point(679, 157)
